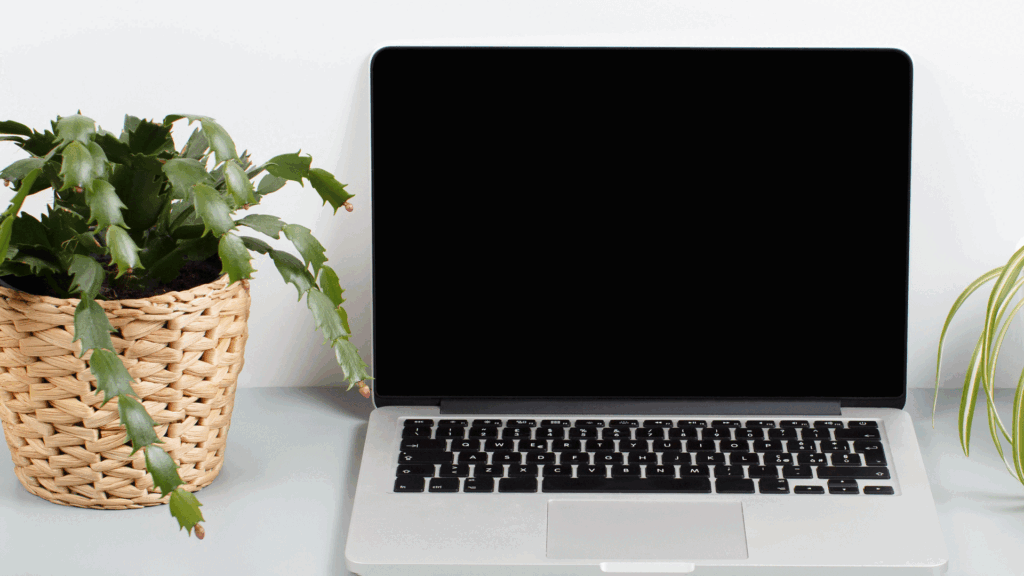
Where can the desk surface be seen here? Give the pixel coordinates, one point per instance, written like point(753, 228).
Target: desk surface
point(282, 502)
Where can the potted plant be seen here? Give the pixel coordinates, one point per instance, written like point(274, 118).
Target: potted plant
point(981, 370)
point(140, 241)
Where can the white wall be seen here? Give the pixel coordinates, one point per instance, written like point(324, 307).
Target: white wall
point(287, 75)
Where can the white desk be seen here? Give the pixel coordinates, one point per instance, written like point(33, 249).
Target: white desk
point(282, 502)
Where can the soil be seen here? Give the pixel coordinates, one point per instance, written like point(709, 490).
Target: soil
point(192, 274)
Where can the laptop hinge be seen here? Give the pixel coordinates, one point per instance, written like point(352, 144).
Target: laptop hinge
point(781, 407)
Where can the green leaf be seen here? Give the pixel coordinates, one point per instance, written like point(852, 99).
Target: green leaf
point(352, 366)
point(92, 326)
point(257, 245)
point(214, 210)
point(99, 160)
point(184, 173)
point(23, 191)
point(6, 228)
point(123, 250)
point(20, 168)
point(185, 509)
point(88, 279)
point(265, 223)
point(238, 185)
point(292, 271)
point(137, 422)
point(329, 188)
point(112, 378)
point(149, 138)
point(163, 469)
point(29, 232)
point(234, 258)
point(326, 316)
point(308, 246)
point(289, 166)
point(196, 145)
point(222, 144)
point(78, 168)
point(76, 127)
point(331, 286)
point(268, 184)
point(39, 266)
point(104, 204)
point(12, 127)
point(115, 150)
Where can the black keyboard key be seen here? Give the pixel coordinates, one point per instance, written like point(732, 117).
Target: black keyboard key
point(863, 472)
point(734, 486)
point(540, 458)
point(693, 470)
point(642, 458)
point(488, 470)
point(743, 458)
point(416, 432)
point(650, 433)
point(675, 458)
point(472, 458)
point(845, 459)
point(483, 432)
point(589, 424)
point(797, 472)
point(450, 432)
point(657, 423)
point(557, 470)
point(490, 423)
point(815, 434)
point(716, 433)
point(865, 446)
point(858, 434)
point(652, 470)
point(628, 484)
point(506, 457)
point(726, 423)
point(878, 490)
point(422, 444)
point(843, 490)
point(516, 433)
point(625, 423)
point(829, 446)
point(777, 458)
point(625, 470)
point(782, 433)
point(415, 470)
point(584, 432)
point(560, 423)
point(734, 446)
point(520, 470)
point(453, 423)
point(811, 459)
point(762, 424)
point(801, 446)
point(555, 432)
point(700, 446)
point(416, 422)
point(767, 445)
point(750, 433)
point(444, 484)
point(478, 485)
point(795, 424)
point(454, 471)
point(808, 490)
point(617, 433)
point(667, 446)
point(498, 445)
point(599, 446)
point(862, 424)
point(533, 445)
point(875, 459)
point(518, 485)
point(426, 457)
point(688, 432)
point(465, 445)
point(709, 458)
point(722, 471)
point(763, 471)
point(773, 486)
point(836, 482)
point(599, 470)
point(828, 424)
point(692, 423)
point(633, 446)
point(521, 423)
point(574, 458)
point(410, 484)
point(565, 446)
point(609, 458)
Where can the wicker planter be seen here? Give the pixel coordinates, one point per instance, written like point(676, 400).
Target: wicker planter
point(186, 350)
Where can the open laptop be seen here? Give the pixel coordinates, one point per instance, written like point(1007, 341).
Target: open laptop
point(641, 311)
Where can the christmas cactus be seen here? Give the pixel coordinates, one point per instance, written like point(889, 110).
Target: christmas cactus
point(128, 212)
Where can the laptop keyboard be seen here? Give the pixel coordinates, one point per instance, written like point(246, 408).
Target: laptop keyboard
point(656, 456)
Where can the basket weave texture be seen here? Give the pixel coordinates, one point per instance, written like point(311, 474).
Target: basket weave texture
point(185, 350)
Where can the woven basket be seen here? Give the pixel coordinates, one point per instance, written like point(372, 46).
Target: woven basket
point(184, 348)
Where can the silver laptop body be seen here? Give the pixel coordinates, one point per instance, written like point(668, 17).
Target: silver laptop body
point(685, 269)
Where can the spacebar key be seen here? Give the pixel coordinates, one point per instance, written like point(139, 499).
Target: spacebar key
point(626, 484)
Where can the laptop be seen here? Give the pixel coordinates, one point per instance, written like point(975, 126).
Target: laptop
point(641, 311)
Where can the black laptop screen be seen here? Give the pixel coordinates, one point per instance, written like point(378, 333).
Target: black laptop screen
point(640, 222)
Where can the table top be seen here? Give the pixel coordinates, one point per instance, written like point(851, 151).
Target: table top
point(283, 500)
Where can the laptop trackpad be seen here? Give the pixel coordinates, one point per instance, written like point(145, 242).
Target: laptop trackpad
point(622, 530)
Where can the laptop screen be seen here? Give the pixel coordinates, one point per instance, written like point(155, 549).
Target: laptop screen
point(644, 223)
